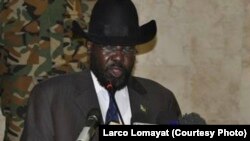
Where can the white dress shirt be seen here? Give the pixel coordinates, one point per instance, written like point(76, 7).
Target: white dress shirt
point(122, 99)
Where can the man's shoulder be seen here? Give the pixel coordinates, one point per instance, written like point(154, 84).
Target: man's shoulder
point(156, 92)
point(151, 85)
point(61, 85)
point(147, 81)
point(64, 81)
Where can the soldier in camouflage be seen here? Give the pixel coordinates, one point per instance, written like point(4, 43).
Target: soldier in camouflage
point(36, 44)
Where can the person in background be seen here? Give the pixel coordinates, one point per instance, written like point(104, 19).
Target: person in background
point(35, 44)
point(59, 107)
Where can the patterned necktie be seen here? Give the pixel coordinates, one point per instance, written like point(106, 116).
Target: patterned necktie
point(112, 113)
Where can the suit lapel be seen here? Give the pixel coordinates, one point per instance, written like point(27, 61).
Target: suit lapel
point(85, 98)
point(138, 101)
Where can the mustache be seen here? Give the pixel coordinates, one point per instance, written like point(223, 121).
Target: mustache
point(116, 64)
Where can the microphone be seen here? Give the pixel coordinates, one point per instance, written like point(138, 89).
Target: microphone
point(191, 119)
point(109, 87)
point(93, 120)
point(186, 119)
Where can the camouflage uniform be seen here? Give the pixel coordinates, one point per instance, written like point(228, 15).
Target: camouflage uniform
point(36, 44)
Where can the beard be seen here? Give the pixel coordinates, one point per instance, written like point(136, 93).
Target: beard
point(104, 77)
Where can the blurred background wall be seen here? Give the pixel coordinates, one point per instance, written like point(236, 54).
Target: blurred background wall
point(201, 53)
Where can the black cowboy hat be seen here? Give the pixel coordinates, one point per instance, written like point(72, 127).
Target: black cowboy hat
point(115, 22)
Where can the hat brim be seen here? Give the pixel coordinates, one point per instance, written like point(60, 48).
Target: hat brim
point(146, 33)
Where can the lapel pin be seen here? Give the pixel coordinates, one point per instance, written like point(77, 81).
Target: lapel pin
point(143, 108)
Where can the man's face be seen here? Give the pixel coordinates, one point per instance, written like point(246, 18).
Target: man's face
point(112, 64)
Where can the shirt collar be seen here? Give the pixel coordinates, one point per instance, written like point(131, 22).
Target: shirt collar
point(121, 96)
point(97, 85)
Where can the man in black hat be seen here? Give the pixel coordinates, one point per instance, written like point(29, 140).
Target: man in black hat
point(60, 107)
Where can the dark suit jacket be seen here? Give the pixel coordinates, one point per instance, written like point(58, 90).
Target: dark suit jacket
point(58, 107)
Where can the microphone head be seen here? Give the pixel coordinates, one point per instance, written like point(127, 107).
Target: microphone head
point(168, 119)
point(191, 119)
point(109, 87)
point(94, 117)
